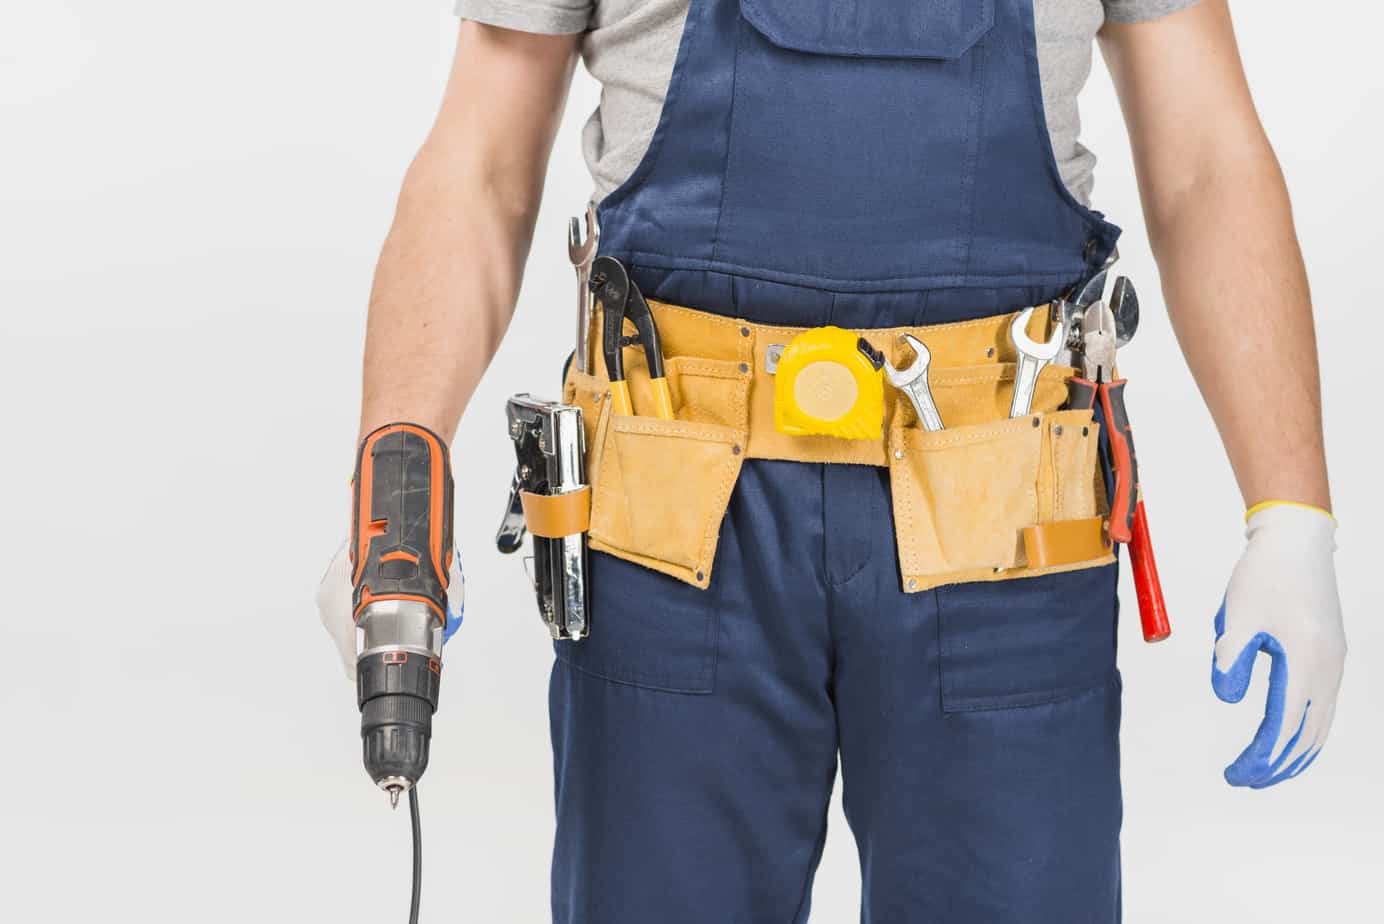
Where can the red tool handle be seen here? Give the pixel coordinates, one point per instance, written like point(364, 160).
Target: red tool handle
point(1153, 612)
point(1126, 497)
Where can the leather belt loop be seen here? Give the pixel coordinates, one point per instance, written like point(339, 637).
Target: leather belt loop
point(553, 516)
point(1067, 542)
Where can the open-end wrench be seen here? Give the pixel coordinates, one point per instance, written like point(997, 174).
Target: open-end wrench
point(1033, 356)
point(581, 252)
point(913, 382)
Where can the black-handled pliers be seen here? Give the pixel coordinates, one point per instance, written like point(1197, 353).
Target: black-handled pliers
point(620, 298)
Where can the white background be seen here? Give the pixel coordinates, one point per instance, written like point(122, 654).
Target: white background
point(191, 201)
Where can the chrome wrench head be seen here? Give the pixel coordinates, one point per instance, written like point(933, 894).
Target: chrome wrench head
point(912, 381)
point(1033, 356)
point(582, 251)
point(902, 378)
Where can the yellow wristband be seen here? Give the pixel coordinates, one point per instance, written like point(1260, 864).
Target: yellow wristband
point(1265, 505)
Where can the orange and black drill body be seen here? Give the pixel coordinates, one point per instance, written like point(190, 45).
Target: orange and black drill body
point(401, 548)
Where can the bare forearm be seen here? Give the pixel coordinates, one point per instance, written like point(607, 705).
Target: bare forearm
point(445, 289)
point(1238, 298)
point(448, 276)
point(1222, 230)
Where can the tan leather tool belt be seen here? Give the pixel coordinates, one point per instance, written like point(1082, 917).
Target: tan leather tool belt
point(989, 498)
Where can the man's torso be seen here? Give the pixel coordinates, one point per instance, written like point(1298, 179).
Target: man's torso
point(630, 47)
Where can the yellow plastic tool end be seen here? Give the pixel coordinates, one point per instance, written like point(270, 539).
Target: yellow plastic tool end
point(620, 399)
point(825, 386)
point(663, 399)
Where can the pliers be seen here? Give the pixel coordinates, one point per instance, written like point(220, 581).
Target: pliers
point(1098, 362)
point(1128, 522)
point(620, 299)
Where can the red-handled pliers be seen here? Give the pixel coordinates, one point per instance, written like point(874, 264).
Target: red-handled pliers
point(1128, 522)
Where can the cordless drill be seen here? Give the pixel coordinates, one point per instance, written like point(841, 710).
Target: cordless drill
point(401, 550)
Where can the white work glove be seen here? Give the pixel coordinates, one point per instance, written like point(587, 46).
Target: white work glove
point(1282, 601)
point(334, 605)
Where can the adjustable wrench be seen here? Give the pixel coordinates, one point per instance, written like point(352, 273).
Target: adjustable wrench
point(1033, 356)
point(581, 253)
point(913, 382)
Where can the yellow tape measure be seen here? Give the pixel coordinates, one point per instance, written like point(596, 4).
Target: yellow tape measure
point(825, 385)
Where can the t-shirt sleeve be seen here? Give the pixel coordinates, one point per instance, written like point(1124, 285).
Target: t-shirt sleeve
point(546, 17)
point(1141, 10)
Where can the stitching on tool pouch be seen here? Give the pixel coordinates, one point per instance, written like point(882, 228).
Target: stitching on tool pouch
point(730, 471)
point(1056, 474)
point(686, 430)
point(907, 535)
point(988, 433)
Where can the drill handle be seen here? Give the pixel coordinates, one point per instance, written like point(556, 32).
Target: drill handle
point(401, 523)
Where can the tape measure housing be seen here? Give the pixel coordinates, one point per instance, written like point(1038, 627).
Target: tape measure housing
point(824, 386)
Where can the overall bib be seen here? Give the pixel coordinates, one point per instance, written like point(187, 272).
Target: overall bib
point(876, 164)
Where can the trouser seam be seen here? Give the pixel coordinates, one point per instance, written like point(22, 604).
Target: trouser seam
point(811, 872)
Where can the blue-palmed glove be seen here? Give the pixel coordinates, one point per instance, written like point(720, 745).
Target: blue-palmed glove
point(334, 605)
point(1282, 601)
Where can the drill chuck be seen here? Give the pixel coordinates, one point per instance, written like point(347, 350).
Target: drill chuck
point(398, 676)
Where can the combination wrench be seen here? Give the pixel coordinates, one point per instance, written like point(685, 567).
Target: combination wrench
point(912, 381)
point(582, 252)
point(1033, 356)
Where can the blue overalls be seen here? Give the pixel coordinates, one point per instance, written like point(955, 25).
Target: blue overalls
point(868, 164)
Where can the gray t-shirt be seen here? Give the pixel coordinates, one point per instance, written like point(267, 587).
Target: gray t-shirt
point(630, 46)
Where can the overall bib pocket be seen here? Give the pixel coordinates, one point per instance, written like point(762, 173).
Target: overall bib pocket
point(940, 30)
point(875, 71)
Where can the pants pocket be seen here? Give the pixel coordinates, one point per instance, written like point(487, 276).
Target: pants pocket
point(1022, 643)
point(647, 631)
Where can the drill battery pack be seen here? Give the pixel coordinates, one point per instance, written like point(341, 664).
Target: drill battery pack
point(549, 497)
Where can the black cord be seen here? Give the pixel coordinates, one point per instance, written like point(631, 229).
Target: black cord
point(417, 854)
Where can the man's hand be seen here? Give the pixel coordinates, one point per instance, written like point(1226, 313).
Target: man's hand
point(1282, 601)
point(1222, 229)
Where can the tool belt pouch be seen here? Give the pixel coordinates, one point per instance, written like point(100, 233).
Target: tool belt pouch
point(993, 498)
point(988, 498)
point(660, 488)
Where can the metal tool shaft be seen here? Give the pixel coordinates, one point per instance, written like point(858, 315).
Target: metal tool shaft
point(582, 252)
